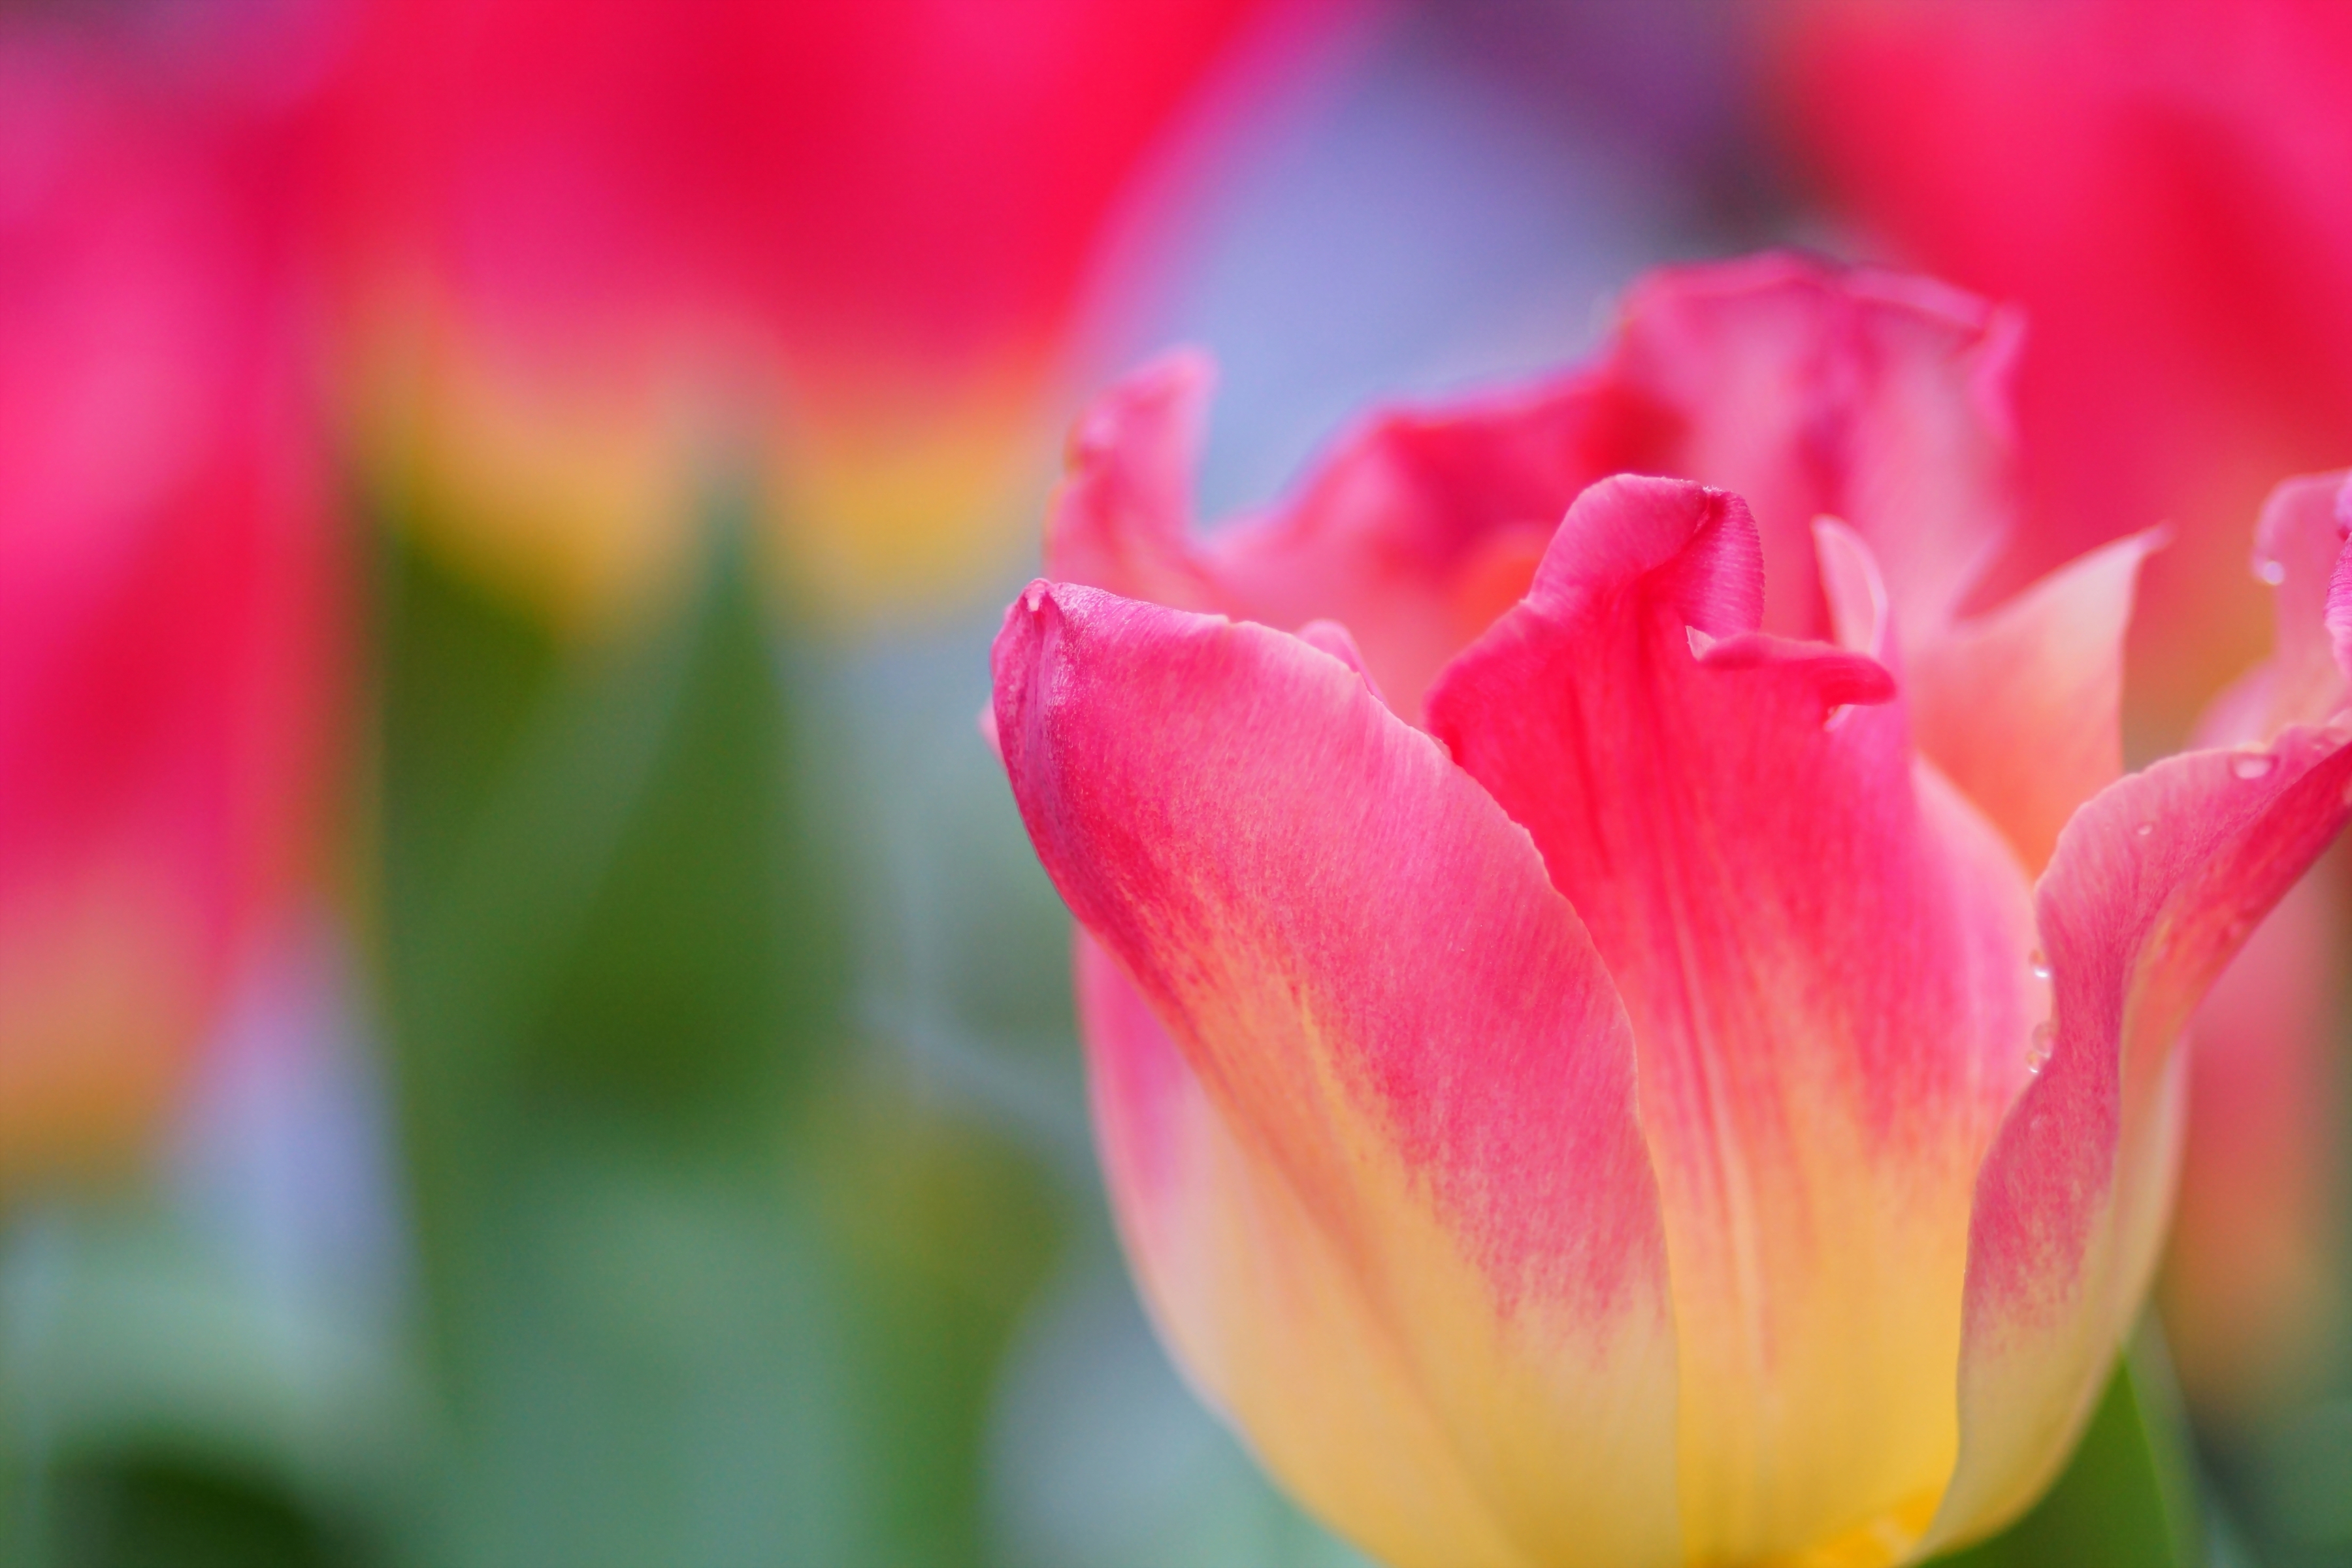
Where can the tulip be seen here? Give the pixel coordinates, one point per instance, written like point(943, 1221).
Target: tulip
point(2158, 181)
point(1629, 1022)
point(596, 252)
point(163, 594)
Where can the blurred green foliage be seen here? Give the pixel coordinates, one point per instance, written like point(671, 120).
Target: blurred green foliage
point(710, 1282)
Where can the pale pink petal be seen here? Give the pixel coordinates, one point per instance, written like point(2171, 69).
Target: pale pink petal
point(1854, 590)
point(2154, 887)
point(2298, 551)
point(1826, 955)
point(2020, 706)
point(1877, 398)
point(2339, 590)
point(1382, 1173)
point(1122, 517)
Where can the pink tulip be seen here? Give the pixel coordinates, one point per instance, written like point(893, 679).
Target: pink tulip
point(163, 601)
point(1651, 1038)
point(595, 247)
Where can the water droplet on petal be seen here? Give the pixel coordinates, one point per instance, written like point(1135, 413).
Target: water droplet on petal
point(2252, 764)
point(2271, 572)
point(2037, 1055)
point(2040, 965)
point(2143, 830)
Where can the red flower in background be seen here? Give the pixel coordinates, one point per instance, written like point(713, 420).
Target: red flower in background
point(593, 244)
point(164, 589)
point(2161, 183)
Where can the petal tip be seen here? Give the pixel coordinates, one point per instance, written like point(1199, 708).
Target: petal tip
point(1627, 526)
point(1333, 638)
point(1854, 587)
point(1120, 516)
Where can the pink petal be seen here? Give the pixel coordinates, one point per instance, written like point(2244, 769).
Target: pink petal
point(1120, 519)
point(1422, 528)
point(2154, 887)
point(2020, 706)
point(1806, 389)
point(2298, 551)
point(171, 610)
point(1854, 590)
point(1417, 532)
point(1381, 1172)
point(1825, 954)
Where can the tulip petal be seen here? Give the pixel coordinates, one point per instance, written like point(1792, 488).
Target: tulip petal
point(1263, 1308)
point(1824, 950)
point(2155, 885)
point(1417, 532)
point(1369, 1107)
point(1853, 591)
point(1875, 397)
point(1122, 516)
point(1805, 388)
point(2299, 550)
point(2020, 706)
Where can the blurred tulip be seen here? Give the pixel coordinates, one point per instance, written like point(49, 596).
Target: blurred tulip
point(2159, 184)
point(164, 642)
point(602, 251)
point(1383, 923)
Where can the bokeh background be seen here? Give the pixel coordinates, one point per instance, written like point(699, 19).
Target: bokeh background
point(529, 1030)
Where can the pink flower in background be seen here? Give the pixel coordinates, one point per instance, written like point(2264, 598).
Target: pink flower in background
point(595, 248)
point(166, 646)
point(2160, 185)
point(1646, 1039)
